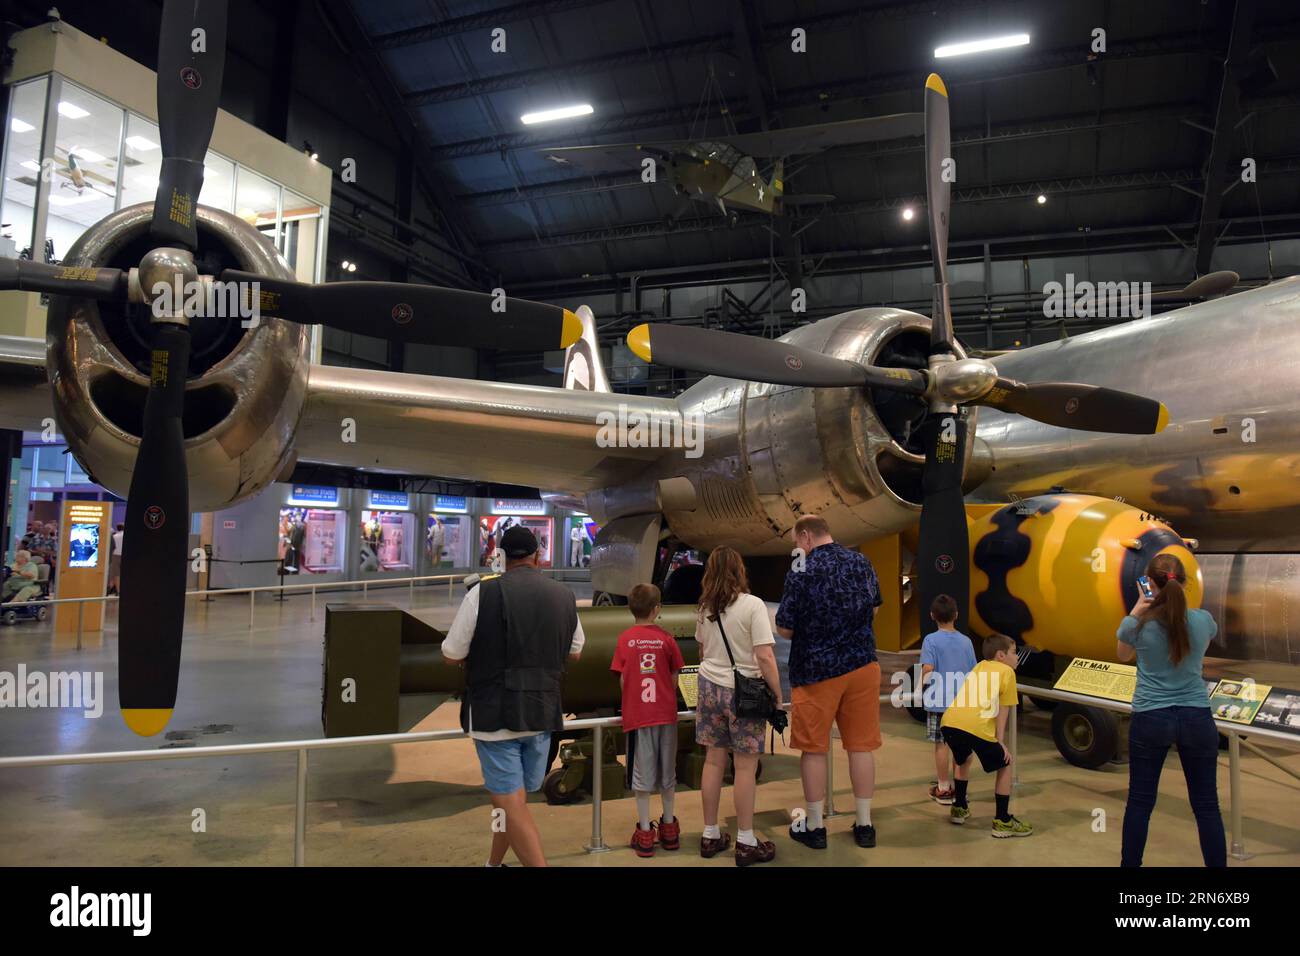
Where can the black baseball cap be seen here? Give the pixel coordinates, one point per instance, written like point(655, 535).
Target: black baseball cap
point(518, 542)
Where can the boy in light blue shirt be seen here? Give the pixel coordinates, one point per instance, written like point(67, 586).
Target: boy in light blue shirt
point(949, 656)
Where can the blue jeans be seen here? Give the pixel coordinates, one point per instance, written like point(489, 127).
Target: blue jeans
point(1151, 733)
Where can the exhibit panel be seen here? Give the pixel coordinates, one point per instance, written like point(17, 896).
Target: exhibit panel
point(450, 536)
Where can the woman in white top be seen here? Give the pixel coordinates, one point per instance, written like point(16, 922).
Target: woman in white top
point(727, 606)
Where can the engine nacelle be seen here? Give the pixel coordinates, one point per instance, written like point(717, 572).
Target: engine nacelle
point(246, 389)
point(772, 453)
point(1060, 571)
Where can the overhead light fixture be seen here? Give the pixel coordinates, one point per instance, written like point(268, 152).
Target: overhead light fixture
point(563, 112)
point(89, 155)
point(140, 143)
point(981, 46)
point(18, 126)
point(908, 213)
point(71, 110)
point(31, 164)
point(1042, 199)
point(352, 267)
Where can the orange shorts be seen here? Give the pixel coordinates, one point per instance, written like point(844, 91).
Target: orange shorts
point(851, 700)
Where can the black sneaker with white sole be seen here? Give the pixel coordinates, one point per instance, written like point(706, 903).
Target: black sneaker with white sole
point(864, 836)
point(813, 839)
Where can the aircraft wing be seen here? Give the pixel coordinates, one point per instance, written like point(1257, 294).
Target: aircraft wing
point(811, 139)
point(610, 158)
point(24, 393)
point(465, 428)
point(418, 424)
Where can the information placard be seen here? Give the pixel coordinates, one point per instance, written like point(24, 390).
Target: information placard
point(688, 684)
point(1099, 679)
point(1238, 700)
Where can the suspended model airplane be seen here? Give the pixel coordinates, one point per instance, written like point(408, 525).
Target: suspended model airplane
point(724, 172)
point(874, 418)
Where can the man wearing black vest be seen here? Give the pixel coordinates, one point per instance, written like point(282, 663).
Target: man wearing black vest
point(513, 633)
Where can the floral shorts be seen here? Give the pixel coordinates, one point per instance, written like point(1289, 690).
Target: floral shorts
point(716, 723)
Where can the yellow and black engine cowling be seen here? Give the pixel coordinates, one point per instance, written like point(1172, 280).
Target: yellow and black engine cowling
point(1058, 572)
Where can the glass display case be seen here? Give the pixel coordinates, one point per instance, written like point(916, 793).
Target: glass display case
point(312, 540)
point(387, 541)
point(447, 540)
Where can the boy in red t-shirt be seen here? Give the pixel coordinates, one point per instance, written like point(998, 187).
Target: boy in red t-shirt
point(647, 660)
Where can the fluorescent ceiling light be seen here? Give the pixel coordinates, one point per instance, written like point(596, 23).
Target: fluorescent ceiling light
point(980, 46)
point(71, 110)
point(18, 126)
point(31, 164)
point(563, 112)
point(89, 155)
point(140, 143)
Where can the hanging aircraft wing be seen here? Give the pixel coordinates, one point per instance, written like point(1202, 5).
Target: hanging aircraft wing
point(24, 390)
point(768, 144)
point(614, 157)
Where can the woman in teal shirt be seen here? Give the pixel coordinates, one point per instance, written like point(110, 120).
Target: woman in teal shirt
point(1170, 706)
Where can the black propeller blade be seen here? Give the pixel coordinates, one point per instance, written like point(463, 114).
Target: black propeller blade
point(943, 556)
point(27, 276)
point(426, 314)
point(155, 546)
point(943, 559)
point(1088, 408)
point(151, 611)
point(191, 61)
point(938, 191)
point(755, 359)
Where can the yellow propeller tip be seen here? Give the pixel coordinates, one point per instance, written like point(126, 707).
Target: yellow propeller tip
point(1162, 419)
point(933, 82)
point(638, 340)
point(572, 330)
point(146, 721)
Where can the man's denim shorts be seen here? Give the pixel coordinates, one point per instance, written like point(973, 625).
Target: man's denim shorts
point(509, 765)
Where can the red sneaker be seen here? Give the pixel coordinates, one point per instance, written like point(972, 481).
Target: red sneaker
point(643, 841)
point(670, 834)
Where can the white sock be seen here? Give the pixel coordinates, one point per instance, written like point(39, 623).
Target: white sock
point(490, 865)
point(643, 809)
point(747, 837)
point(864, 811)
point(667, 797)
point(711, 832)
point(945, 784)
point(815, 808)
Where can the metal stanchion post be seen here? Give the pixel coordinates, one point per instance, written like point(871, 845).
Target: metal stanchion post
point(1237, 846)
point(1013, 732)
point(412, 584)
point(597, 844)
point(300, 813)
point(365, 587)
point(252, 595)
point(450, 594)
point(81, 605)
point(313, 602)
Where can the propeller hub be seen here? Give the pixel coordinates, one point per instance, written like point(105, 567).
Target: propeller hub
point(165, 277)
point(963, 380)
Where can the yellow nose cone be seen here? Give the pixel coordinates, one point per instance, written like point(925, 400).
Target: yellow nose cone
point(933, 82)
point(638, 340)
point(572, 330)
point(1162, 419)
point(146, 721)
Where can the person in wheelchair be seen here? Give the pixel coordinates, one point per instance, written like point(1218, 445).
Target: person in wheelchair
point(23, 581)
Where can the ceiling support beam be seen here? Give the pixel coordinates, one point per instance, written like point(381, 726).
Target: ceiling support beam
point(1224, 137)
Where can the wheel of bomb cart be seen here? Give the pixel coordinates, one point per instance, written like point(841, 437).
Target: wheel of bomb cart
point(1086, 737)
point(42, 613)
point(605, 599)
point(555, 790)
point(10, 617)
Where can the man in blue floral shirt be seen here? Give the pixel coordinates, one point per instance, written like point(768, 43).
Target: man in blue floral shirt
point(831, 596)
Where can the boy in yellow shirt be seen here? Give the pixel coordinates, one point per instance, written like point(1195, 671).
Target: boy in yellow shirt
point(976, 725)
